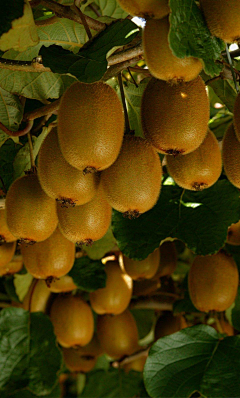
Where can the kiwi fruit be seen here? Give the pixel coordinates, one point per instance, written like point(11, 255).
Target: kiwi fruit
point(171, 121)
point(222, 18)
point(7, 251)
point(144, 269)
point(82, 359)
point(233, 235)
point(146, 8)
point(51, 258)
point(116, 296)
point(199, 169)
point(5, 234)
point(213, 282)
point(133, 183)
point(168, 324)
point(87, 223)
point(39, 294)
point(59, 179)
point(15, 265)
point(72, 320)
point(161, 61)
point(90, 126)
point(31, 215)
point(137, 365)
point(62, 285)
point(118, 334)
point(230, 154)
point(168, 259)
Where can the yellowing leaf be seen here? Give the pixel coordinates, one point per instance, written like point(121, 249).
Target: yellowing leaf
point(23, 33)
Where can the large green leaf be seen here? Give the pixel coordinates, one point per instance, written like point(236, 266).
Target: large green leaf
point(190, 36)
point(90, 63)
point(10, 10)
point(193, 359)
point(235, 312)
point(200, 219)
point(225, 91)
point(29, 357)
point(8, 152)
point(114, 383)
point(111, 8)
point(67, 34)
point(100, 247)
point(88, 274)
point(11, 112)
point(144, 320)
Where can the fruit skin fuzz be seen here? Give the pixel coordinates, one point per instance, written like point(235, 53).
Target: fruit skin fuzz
point(171, 121)
point(90, 126)
point(199, 169)
point(146, 8)
point(213, 282)
point(230, 154)
point(161, 61)
point(133, 183)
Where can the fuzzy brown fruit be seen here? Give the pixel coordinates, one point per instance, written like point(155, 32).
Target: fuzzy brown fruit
point(51, 258)
point(161, 61)
point(62, 285)
point(31, 215)
point(146, 8)
point(133, 183)
point(116, 296)
point(15, 265)
point(223, 18)
point(39, 294)
point(230, 154)
point(59, 179)
point(171, 121)
point(144, 269)
point(199, 169)
point(213, 282)
point(5, 234)
point(233, 236)
point(7, 251)
point(168, 324)
point(72, 320)
point(168, 260)
point(87, 223)
point(118, 334)
point(236, 117)
point(90, 126)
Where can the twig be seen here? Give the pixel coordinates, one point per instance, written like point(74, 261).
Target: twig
point(3, 185)
point(125, 55)
point(67, 12)
point(44, 110)
point(24, 66)
point(116, 69)
point(127, 125)
point(130, 73)
point(76, 8)
point(5, 305)
point(130, 358)
point(47, 22)
point(18, 133)
point(152, 304)
point(94, 9)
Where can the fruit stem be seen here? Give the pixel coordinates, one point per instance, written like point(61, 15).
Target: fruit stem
point(130, 358)
point(218, 324)
point(127, 125)
point(151, 304)
point(231, 66)
point(76, 8)
point(33, 166)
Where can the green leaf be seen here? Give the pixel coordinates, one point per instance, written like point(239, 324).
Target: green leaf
point(145, 320)
point(100, 247)
point(10, 10)
point(29, 354)
point(23, 31)
point(193, 359)
point(11, 113)
point(219, 125)
point(133, 97)
point(193, 217)
point(8, 151)
point(111, 8)
point(114, 383)
point(88, 274)
point(90, 64)
point(22, 284)
point(225, 91)
point(185, 304)
point(55, 393)
point(10, 288)
point(190, 36)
